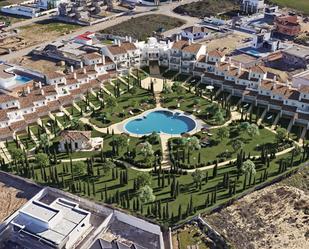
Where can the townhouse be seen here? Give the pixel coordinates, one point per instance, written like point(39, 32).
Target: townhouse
point(256, 86)
point(21, 108)
point(123, 55)
point(184, 54)
point(251, 84)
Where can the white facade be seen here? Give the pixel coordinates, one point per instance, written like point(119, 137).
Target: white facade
point(194, 33)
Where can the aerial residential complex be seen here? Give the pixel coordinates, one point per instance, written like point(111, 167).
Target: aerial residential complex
point(25, 103)
point(123, 126)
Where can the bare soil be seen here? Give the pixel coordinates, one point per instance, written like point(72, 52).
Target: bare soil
point(38, 64)
point(228, 43)
point(13, 195)
point(37, 33)
point(275, 217)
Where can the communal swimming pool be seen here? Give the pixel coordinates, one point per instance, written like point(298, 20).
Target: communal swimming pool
point(161, 121)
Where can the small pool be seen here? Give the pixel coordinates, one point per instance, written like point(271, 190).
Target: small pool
point(21, 80)
point(161, 121)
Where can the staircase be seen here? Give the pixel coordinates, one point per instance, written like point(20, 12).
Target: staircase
point(275, 121)
point(262, 117)
point(290, 125)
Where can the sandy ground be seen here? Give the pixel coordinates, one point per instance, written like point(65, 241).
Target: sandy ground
point(37, 33)
point(12, 195)
point(275, 217)
point(41, 65)
point(229, 43)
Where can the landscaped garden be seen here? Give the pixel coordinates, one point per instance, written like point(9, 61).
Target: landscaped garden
point(222, 144)
point(210, 112)
point(206, 170)
point(120, 108)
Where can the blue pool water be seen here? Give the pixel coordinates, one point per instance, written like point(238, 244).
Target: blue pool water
point(21, 80)
point(161, 121)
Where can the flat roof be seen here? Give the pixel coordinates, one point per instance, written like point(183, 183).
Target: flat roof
point(39, 210)
point(61, 215)
point(243, 58)
point(299, 51)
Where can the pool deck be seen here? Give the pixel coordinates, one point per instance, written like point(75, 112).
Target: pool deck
point(119, 128)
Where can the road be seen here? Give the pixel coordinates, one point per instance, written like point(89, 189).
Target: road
point(166, 9)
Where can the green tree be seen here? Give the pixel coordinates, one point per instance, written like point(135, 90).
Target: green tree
point(192, 143)
point(146, 149)
point(248, 167)
point(74, 122)
point(237, 144)
point(107, 166)
point(218, 117)
point(154, 138)
point(146, 194)
point(111, 103)
point(45, 142)
point(121, 142)
point(198, 177)
point(143, 179)
point(213, 109)
point(223, 132)
point(253, 130)
point(177, 88)
point(243, 126)
point(79, 168)
point(281, 135)
point(16, 154)
point(42, 160)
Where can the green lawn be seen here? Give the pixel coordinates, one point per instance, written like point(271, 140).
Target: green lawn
point(141, 100)
point(162, 190)
point(94, 100)
point(299, 5)
point(27, 141)
point(37, 130)
point(218, 148)
point(190, 236)
point(189, 102)
point(73, 112)
point(64, 120)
